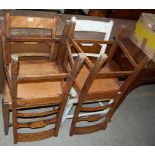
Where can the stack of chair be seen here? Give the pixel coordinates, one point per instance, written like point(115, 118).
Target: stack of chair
point(34, 81)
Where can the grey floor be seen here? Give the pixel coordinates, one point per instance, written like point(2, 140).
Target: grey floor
point(132, 124)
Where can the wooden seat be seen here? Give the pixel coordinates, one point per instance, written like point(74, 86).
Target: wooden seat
point(103, 87)
point(51, 90)
point(32, 85)
point(37, 67)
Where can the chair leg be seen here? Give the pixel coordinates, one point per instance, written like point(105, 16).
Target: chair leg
point(66, 113)
point(15, 135)
point(6, 117)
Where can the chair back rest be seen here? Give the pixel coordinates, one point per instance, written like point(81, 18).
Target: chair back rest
point(31, 22)
point(31, 30)
point(28, 22)
point(95, 26)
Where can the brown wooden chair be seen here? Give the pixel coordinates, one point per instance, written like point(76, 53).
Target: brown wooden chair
point(101, 82)
point(26, 30)
point(33, 84)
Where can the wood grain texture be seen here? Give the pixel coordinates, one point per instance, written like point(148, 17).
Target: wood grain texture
point(91, 118)
point(98, 85)
point(38, 114)
point(31, 22)
point(36, 124)
point(89, 129)
point(26, 22)
point(28, 137)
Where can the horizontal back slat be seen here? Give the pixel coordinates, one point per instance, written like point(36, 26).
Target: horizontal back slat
point(37, 124)
point(24, 137)
point(38, 114)
point(31, 22)
point(91, 109)
point(89, 129)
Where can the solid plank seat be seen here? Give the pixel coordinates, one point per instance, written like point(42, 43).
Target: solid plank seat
point(36, 67)
point(49, 91)
point(39, 90)
point(99, 86)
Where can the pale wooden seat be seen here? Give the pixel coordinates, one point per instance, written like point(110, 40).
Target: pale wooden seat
point(51, 90)
point(37, 67)
point(42, 89)
point(99, 86)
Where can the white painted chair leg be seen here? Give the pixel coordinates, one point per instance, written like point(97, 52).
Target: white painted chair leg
point(68, 108)
point(66, 113)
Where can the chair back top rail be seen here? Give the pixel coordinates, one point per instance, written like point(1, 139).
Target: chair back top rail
point(26, 22)
point(31, 22)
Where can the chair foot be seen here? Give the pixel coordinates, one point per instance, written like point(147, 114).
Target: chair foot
point(6, 131)
point(71, 134)
point(6, 116)
point(66, 113)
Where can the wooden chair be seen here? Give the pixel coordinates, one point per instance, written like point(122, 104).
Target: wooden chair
point(29, 25)
point(32, 85)
point(98, 83)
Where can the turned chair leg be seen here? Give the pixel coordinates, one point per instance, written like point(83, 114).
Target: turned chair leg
point(6, 117)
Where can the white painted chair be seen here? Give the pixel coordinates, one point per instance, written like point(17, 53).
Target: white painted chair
point(94, 26)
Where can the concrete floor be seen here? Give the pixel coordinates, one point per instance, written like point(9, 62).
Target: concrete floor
point(132, 124)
